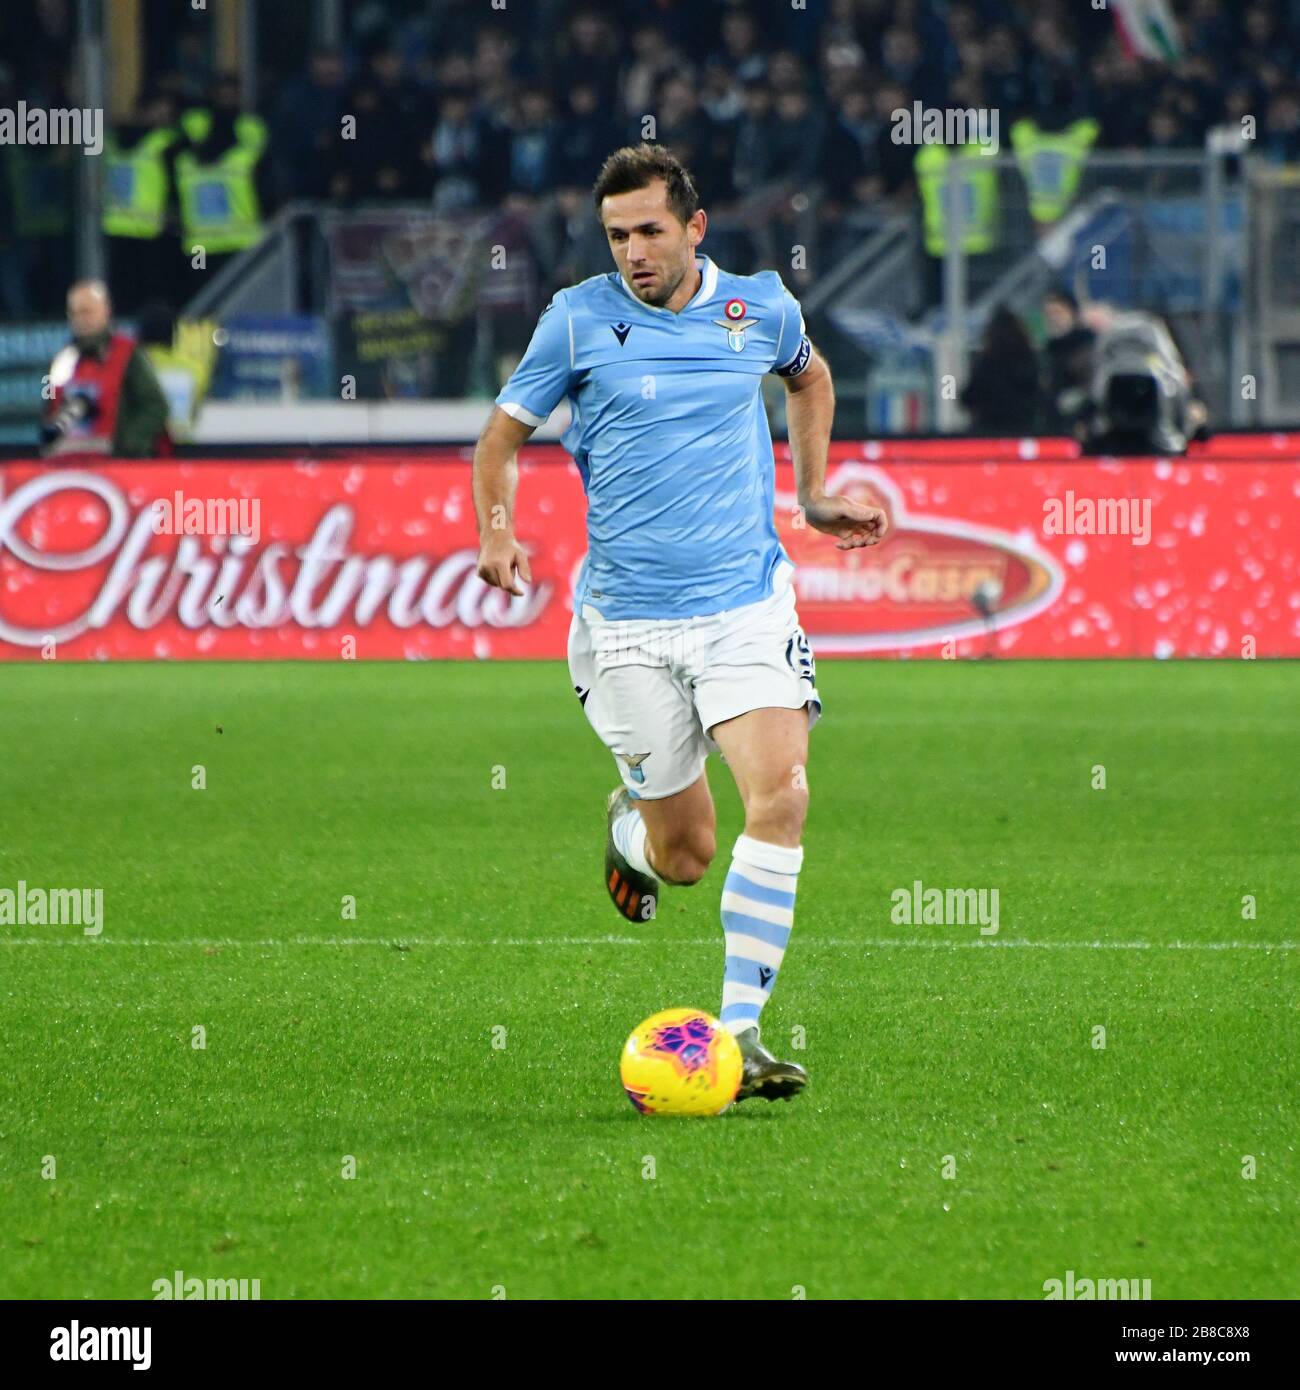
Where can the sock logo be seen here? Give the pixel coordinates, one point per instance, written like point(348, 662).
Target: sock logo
point(765, 973)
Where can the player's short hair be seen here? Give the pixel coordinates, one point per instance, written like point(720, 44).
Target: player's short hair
point(638, 166)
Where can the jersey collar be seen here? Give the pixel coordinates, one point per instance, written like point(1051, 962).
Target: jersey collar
point(708, 284)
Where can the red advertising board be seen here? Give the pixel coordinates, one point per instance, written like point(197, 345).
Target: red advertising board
point(1009, 547)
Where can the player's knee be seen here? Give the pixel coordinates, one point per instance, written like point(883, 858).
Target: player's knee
point(779, 812)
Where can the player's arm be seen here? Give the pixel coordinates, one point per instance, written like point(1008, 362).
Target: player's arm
point(496, 475)
point(810, 412)
point(535, 388)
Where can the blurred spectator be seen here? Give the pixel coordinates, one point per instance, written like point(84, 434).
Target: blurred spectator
point(37, 184)
point(590, 51)
point(586, 136)
point(462, 153)
point(1280, 138)
point(493, 73)
point(1068, 359)
point(375, 159)
point(721, 96)
point(1004, 394)
point(740, 50)
point(752, 161)
point(893, 161)
point(797, 138)
point(399, 97)
point(570, 242)
point(653, 60)
point(1004, 74)
point(848, 155)
point(688, 132)
point(305, 128)
point(532, 143)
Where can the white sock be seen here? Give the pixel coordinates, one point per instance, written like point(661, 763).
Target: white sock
point(629, 840)
point(757, 915)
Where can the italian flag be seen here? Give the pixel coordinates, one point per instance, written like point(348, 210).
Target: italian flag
point(1147, 29)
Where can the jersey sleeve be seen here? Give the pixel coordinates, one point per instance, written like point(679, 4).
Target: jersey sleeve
point(541, 380)
point(793, 349)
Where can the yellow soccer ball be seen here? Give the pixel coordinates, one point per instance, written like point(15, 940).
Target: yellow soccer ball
point(681, 1062)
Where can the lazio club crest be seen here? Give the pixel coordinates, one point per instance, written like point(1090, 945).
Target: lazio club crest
point(735, 323)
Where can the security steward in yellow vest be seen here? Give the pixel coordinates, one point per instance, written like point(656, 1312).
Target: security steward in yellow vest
point(139, 204)
point(976, 221)
point(1051, 163)
point(217, 177)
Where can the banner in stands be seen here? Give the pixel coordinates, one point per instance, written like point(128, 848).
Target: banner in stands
point(373, 557)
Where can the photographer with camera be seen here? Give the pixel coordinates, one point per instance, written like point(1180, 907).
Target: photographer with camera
point(105, 398)
point(1143, 399)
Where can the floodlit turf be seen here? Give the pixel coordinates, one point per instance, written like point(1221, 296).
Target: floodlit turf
point(523, 1167)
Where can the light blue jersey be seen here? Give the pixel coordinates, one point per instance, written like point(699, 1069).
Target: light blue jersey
point(669, 434)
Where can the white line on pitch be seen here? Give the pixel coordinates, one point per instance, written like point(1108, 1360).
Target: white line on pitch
point(832, 943)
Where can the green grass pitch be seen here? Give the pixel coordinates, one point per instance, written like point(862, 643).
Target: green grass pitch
point(522, 1167)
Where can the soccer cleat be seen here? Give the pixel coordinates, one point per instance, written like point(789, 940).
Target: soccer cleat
point(764, 1074)
point(636, 895)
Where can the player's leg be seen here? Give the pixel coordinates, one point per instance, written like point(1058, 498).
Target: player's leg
point(756, 695)
point(670, 839)
point(767, 750)
point(660, 822)
point(678, 834)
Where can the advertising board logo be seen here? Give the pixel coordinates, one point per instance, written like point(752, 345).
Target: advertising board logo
point(920, 586)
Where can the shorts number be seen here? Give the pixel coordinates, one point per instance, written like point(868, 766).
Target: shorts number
point(799, 657)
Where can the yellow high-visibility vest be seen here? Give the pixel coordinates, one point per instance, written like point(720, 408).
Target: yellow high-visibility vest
point(135, 186)
point(976, 214)
point(1051, 163)
point(220, 210)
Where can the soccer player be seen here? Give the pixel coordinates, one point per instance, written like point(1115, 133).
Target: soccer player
point(684, 638)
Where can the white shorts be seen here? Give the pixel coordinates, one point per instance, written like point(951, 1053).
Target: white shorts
point(653, 690)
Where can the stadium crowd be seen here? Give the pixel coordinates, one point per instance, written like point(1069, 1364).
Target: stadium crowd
point(468, 109)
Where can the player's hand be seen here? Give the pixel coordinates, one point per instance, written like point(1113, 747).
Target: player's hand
point(500, 558)
point(855, 523)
